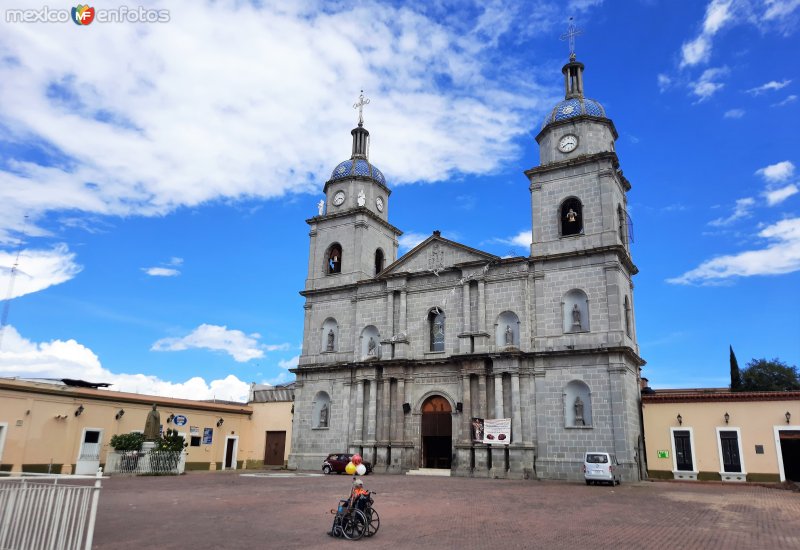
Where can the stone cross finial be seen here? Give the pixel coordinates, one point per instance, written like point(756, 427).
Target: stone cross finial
point(360, 106)
point(572, 32)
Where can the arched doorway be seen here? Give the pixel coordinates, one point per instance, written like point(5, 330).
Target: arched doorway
point(437, 433)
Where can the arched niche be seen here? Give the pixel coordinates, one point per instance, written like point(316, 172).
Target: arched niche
point(506, 331)
point(379, 260)
point(627, 311)
point(333, 259)
point(370, 343)
point(576, 311)
point(577, 404)
point(321, 410)
point(570, 216)
point(330, 335)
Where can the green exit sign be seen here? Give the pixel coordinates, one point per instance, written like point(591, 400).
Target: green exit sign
point(663, 454)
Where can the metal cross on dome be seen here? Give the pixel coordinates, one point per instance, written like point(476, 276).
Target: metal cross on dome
point(572, 32)
point(360, 106)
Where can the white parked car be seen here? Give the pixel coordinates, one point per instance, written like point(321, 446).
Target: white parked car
point(600, 467)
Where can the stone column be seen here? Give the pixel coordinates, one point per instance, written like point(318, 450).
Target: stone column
point(392, 330)
point(397, 408)
point(385, 413)
point(359, 432)
point(516, 411)
point(464, 343)
point(466, 421)
point(307, 329)
point(403, 327)
point(498, 396)
point(372, 410)
point(482, 305)
point(481, 450)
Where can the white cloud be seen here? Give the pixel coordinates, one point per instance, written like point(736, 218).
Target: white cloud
point(718, 14)
point(777, 196)
point(778, 9)
point(523, 239)
point(772, 85)
point(242, 347)
point(734, 113)
point(780, 256)
point(289, 363)
point(581, 5)
point(173, 114)
point(664, 82)
point(777, 172)
point(161, 271)
point(37, 269)
point(705, 86)
point(69, 359)
point(407, 241)
point(741, 210)
point(789, 99)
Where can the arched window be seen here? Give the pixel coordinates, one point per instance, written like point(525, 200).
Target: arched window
point(627, 306)
point(334, 259)
point(506, 332)
point(330, 335)
point(621, 224)
point(378, 261)
point(436, 324)
point(571, 217)
point(577, 404)
point(321, 410)
point(370, 343)
point(576, 311)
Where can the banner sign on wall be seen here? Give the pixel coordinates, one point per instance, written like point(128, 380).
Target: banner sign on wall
point(497, 431)
point(208, 436)
point(194, 431)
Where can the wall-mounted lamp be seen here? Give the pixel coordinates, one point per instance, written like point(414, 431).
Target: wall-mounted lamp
point(60, 417)
point(220, 422)
point(680, 420)
point(459, 406)
point(170, 418)
point(406, 408)
point(727, 417)
point(788, 416)
point(119, 414)
point(79, 410)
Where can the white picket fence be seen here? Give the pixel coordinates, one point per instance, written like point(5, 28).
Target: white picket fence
point(146, 462)
point(48, 512)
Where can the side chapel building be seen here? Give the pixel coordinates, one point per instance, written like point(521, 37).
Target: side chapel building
point(399, 354)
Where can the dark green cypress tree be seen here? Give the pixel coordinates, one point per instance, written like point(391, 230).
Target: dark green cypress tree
point(736, 377)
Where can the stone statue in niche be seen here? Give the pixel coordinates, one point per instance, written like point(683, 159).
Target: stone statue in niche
point(579, 412)
point(362, 198)
point(152, 426)
point(371, 347)
point(323, 416)
point(509, 336)
point(576, 318)
point(571, 216)
point(320, 207)
point(330, 340)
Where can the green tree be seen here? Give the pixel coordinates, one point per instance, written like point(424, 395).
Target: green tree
point(736, 377)
point(127, 442)
point(774, 375)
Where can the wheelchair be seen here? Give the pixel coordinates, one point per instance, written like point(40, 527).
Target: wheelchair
point(355, 519)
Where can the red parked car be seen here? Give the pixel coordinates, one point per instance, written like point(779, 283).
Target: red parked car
point(336, 462)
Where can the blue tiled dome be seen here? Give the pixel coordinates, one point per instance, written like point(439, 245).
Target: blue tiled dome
point(357, 167)
point(571, 108)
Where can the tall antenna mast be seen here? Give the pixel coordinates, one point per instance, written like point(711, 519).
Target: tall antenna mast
point(10, 293)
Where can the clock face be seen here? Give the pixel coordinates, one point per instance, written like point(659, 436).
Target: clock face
point(379, 204)
point(568, 143)
point(338, 198)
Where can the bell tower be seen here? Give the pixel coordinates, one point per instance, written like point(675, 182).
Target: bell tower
point(351, 237)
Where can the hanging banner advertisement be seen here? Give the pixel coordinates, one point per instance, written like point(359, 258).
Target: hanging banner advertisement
point(497, 431)
point(208, 436)
point(477, 430)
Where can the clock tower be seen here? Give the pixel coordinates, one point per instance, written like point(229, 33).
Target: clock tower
point(351, 238)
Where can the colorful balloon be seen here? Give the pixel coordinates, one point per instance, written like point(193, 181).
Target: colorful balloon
point(361, 469)
point(357, 459)
point(350, 468)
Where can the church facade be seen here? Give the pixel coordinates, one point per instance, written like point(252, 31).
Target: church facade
point(403, 357)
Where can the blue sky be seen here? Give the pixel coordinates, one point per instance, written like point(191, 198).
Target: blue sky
point(156, 177)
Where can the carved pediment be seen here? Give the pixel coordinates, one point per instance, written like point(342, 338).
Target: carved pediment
point(436, 254)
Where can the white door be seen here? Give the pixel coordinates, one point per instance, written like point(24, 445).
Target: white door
point(89, 452)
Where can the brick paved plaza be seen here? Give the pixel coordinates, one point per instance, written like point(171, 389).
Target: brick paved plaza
point(279, 510)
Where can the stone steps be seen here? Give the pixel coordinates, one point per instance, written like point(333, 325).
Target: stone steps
point(429, 472)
